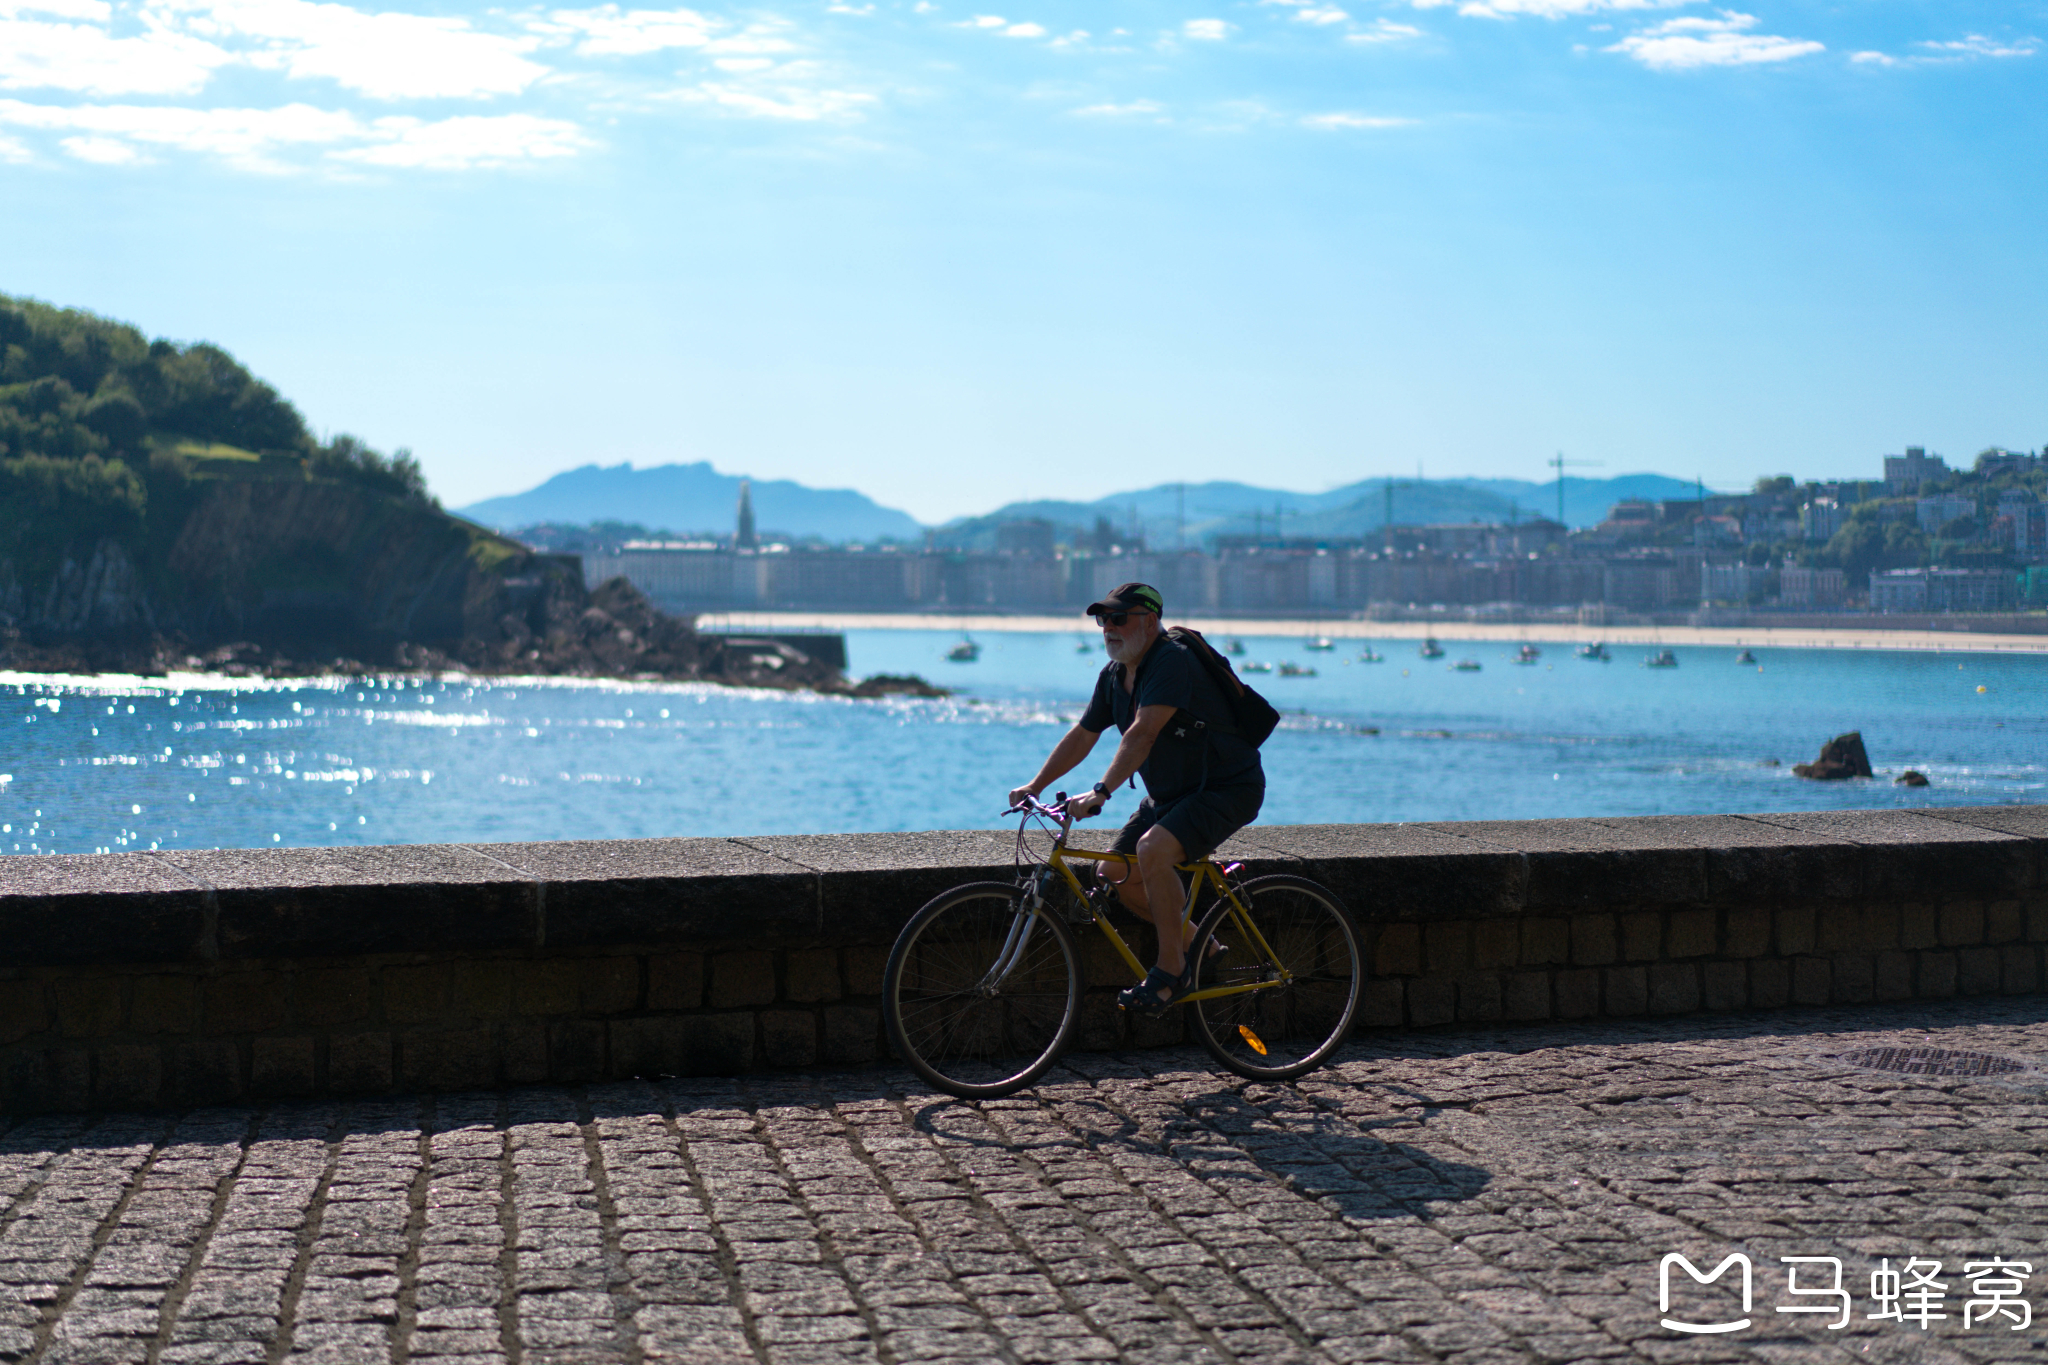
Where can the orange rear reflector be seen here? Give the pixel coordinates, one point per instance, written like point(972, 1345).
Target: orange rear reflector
point(1252, 1038)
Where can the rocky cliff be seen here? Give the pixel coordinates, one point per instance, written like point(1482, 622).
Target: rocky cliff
point(291, 573)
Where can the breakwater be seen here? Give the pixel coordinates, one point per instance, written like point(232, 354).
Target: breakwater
point(197, 977)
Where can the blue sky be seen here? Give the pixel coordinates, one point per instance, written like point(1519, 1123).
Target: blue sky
point(954, 256)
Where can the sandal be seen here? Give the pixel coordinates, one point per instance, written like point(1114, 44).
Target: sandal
point(1143, 998)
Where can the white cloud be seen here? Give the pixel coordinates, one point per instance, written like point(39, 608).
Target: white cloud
point(454, 144)
point(1965, 49)
point(785, 103)
point(767, 36)
point(101, 151)
point(1135, 109)
point(860, 11)
point(1543, 9)
point(249, 138)
point(608, 31)
point(1384, 31)
point(278, 139)
point(92, 11)
point(11, 150)
point(1686, 44)
point(89, 61)
point(1321, 14)
point(1207, 30)
point(1354, 121)
point(986, 21)
point(387, 56)
point(1977, 45)
point(744, 65)
point(1024, 31)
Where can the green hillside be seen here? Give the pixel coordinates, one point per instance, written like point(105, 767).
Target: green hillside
point(88, 404)
point(151, 488)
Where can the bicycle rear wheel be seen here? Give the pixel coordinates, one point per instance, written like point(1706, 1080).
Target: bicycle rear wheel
point(1286, 1029)
point(981, 991)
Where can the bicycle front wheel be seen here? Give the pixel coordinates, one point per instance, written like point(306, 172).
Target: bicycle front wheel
point(981, 991)
point(1305, 990)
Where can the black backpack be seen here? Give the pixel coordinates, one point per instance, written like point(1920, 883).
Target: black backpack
point(1253, 714)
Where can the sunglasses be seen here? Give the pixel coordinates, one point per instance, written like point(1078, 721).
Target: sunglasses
point(1116, 618)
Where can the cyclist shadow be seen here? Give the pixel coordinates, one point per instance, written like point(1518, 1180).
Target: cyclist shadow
point(1229, 1138)
point(1336, 1160)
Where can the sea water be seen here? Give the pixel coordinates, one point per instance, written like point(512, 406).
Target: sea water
point(116, 763)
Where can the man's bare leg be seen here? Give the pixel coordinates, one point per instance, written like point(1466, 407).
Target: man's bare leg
point(1157, 884)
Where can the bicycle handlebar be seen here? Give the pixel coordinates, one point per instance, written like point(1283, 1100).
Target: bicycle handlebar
point(1057, 810)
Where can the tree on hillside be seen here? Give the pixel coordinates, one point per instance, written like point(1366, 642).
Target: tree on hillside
point(120, 387)
point(1868, 543)
point(77, 387)
point(397, 473)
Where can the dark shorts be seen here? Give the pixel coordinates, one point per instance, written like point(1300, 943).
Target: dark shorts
point(1200, 821)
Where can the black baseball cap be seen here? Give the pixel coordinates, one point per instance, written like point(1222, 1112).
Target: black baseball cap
point(1128, 597)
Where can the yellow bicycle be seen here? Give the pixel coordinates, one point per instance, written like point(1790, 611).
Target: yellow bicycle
point(985, 983)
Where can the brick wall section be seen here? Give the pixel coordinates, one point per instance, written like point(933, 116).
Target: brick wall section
point(176, 978)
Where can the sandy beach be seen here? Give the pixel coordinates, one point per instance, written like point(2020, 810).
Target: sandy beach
point(1753, 637)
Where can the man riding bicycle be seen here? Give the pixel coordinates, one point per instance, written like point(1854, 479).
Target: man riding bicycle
point(1203, 782)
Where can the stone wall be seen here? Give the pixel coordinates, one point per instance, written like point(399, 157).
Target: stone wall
point(191, 977)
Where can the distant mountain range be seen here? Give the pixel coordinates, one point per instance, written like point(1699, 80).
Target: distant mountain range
point(1168, 514)
point(696, 499)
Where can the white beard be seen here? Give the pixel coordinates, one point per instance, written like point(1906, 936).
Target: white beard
point(1128, 650)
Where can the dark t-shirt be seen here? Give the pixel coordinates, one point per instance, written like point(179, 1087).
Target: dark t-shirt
point(1172, 676)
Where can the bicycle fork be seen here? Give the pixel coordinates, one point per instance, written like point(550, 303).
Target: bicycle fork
point(1021, 925)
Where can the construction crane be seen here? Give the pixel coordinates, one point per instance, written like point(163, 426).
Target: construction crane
point(1387, 520)
point(1560, 463)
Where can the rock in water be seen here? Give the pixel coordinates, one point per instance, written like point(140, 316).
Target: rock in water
point(1840, 757)
point(1912, 777)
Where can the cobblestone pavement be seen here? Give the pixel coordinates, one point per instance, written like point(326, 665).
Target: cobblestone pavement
point(1475, 1197)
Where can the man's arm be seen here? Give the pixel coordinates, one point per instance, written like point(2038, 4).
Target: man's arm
point(1075, 745)
point(1130, 755)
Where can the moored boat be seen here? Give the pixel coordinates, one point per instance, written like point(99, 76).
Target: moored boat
point(1663, 658)
point(966, 652)
point(1745, 657)
point(1466, 666)
point(1296, 671)
point(1596, 650)
point(1528, 654)
point(1430, 648)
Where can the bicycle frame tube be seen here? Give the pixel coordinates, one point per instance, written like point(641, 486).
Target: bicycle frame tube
point(1203, 872)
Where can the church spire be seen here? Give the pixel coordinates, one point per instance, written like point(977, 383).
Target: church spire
point(744, 538)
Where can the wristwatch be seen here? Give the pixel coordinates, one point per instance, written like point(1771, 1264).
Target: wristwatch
point(1102, 791)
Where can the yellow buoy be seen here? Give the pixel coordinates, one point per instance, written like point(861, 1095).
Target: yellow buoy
point(1982, 688)
point(1244, 1030)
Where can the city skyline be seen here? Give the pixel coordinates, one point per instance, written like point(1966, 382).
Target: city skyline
point(957, 258)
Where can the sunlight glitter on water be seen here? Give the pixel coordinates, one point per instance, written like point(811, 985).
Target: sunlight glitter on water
point(118, 763)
